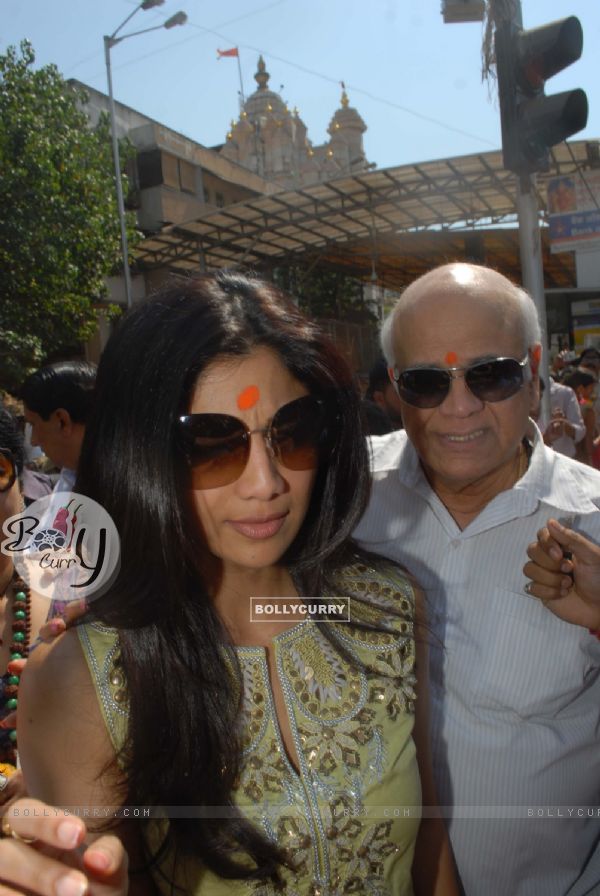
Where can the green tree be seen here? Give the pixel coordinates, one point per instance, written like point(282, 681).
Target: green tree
point(326, 293)
point(59, 233)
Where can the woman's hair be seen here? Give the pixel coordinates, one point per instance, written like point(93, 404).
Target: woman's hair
point(579, 378)
point(11, 437)
point(183, 744)
point(66, 384)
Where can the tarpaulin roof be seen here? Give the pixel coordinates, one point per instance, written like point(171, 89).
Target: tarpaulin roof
point(388, 225)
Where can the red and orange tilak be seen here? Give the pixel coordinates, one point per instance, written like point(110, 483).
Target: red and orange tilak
point(248, 397)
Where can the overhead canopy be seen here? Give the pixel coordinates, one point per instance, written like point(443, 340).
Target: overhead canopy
point(388, 225)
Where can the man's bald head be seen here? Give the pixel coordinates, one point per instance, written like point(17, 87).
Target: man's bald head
point(511, 309)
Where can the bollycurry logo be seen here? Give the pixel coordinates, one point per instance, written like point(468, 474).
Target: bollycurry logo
point(65, 545)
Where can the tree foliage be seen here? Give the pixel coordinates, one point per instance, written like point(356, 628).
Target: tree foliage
point(326, 294)
point(59, 231)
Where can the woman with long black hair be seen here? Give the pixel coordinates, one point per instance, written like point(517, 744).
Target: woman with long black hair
point(274, 755)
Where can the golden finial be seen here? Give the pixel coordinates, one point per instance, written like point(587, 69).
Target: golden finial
point(262, 76)
point(345, 100)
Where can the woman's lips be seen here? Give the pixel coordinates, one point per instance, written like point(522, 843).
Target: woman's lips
point(259, 528)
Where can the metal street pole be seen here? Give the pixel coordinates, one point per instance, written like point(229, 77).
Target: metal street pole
point(108, 42)
point(532, 267)
point(530, 241)
point(179, 18)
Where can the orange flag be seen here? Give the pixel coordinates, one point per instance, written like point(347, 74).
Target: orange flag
point(232, 52)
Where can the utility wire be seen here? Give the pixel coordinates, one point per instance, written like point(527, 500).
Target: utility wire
point(328, 78)
point(246, 15)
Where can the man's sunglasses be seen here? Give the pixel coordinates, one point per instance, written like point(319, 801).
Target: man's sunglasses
point(217, 446)
point(494, 380)
point(8, 469)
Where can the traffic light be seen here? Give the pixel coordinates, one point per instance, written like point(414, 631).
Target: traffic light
point(531, 121)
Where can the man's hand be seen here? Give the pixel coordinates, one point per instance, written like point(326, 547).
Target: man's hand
point(568, 585)
point(554, 430)
point(558, 426)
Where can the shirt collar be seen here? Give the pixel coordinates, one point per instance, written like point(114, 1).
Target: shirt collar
point(549, 479)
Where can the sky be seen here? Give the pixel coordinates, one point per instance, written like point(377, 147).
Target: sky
point(415, 80)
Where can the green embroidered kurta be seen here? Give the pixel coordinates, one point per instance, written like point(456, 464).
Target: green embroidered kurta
point(350, 816)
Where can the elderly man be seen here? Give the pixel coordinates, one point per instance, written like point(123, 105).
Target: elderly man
point(457, 497)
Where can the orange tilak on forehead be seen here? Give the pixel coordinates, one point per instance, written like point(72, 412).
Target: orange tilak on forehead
point(451, 359)
point(248, 398)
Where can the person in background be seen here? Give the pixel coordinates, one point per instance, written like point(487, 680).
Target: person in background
point(34, 483)
point(57, 400)
point(22, 612)
point(583, 384)
point(381, 392)
point(589, 361)
point(375, 420)
point(515, 690)
point(562, 364)
point(566, 428)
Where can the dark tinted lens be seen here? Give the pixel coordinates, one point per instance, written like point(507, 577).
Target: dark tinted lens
point(425, 388)
point(8, 472)
point(296, 433)
point(217, 448)
point(495, 380)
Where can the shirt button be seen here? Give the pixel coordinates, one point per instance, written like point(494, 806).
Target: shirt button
point(455, 543)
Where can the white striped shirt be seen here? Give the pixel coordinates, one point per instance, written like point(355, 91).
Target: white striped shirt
point(515, 691)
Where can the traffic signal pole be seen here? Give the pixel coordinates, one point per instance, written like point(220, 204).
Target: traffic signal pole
point(530, 240)
point(532, 271)
point(531, 124)
point(532, 264)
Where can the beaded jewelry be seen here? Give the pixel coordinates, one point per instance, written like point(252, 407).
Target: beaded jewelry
point(19, 649)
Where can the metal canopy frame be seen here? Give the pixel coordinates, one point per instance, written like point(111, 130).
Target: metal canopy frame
point(399, 221)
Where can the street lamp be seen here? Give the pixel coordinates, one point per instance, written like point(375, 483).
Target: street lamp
point(110, 41)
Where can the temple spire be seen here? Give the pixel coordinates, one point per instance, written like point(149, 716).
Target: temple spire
point(262, 75)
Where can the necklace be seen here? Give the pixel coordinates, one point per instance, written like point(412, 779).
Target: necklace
point(19, 649)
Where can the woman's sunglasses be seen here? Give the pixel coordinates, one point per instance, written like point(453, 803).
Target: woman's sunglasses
point(427, 387)
point(217, 446)
point(8, 469)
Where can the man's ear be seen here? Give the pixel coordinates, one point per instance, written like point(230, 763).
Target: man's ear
point(535, 356)
point(63, 418)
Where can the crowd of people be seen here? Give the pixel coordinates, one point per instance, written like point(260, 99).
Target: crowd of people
point(574, 425)
point(420, 747)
